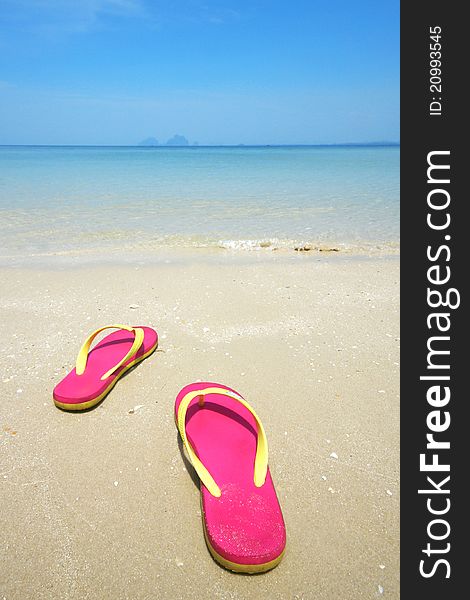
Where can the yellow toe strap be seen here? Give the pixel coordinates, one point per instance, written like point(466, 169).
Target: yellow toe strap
point(261, 458)
point(84, 350)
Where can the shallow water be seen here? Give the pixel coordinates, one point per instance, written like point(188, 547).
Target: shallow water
point(69, 199)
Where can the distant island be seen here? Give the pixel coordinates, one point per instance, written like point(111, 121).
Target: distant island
point(150, 141)
point(176, 140)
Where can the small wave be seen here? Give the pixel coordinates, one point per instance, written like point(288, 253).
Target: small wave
point(248, 244)
point(113, 245)
point(305, 247)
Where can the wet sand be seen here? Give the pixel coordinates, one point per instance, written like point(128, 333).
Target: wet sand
point(100, 504)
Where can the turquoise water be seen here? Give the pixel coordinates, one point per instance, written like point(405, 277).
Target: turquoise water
point(68, 199)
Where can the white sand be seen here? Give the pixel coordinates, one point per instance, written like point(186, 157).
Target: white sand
point(100, 505)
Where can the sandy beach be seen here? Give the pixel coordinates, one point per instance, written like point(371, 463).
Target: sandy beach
point(101, 504)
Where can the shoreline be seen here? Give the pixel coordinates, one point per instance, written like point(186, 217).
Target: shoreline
point(135, 255)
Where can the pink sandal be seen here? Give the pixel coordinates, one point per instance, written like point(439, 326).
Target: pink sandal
point(97, 372)
point(226, 443)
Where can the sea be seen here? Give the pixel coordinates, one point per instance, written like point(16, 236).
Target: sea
point(59, 200)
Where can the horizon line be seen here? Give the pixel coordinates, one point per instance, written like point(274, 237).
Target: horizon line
point(384, 144)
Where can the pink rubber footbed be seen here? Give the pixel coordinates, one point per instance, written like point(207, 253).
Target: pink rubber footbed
point(77, 389)
point(245, 524)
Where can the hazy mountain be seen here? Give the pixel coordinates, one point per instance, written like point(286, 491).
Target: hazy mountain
point(150, 141)
point(177, 140)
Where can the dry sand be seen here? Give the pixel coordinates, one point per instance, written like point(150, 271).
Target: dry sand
point(100, 504)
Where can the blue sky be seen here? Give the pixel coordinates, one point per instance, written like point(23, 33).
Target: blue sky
point(219, 72)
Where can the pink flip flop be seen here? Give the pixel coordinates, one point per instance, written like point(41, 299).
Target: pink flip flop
point(97, 372)
point(226, 443)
